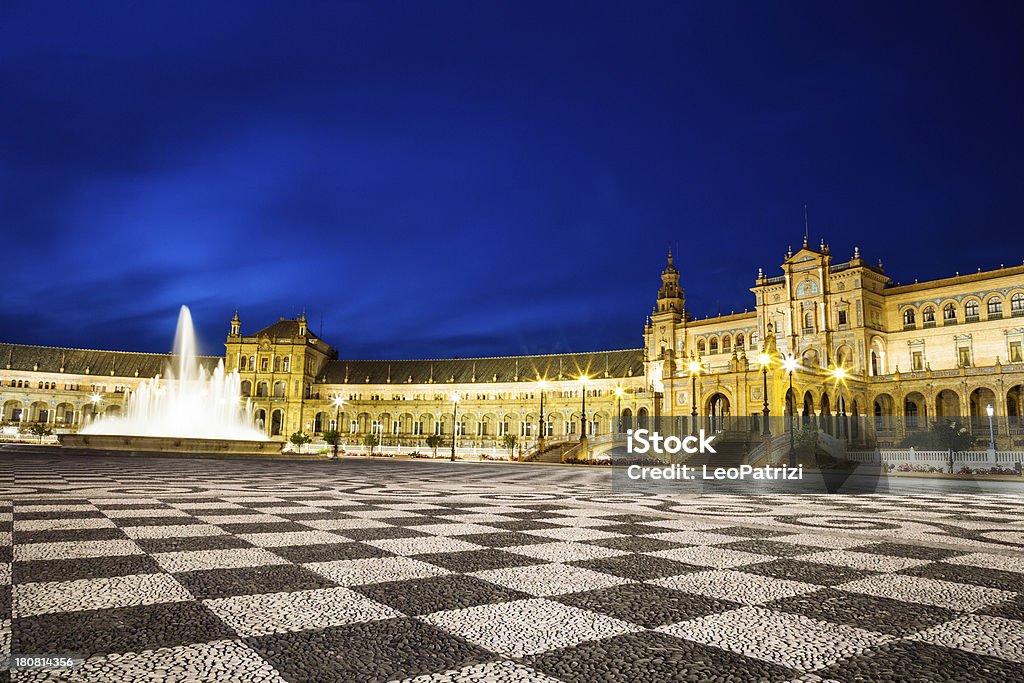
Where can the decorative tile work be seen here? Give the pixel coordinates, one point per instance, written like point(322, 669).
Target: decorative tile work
point(277, 571)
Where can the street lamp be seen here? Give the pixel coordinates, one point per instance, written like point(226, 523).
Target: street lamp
point(583, 409)
point(541, 385)
point(991, 432)
point(338, 402)
point(790, 363)
point(618, 395)
point(455, 421)
point(95, 400)
point(694, 371)
point(765, 360)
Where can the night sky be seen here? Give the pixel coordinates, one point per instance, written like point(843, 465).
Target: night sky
point(433, 179)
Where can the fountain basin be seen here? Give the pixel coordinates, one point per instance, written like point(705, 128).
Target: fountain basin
point(169, 444)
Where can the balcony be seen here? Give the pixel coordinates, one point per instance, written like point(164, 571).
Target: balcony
point(929, 324)
point(972, 318)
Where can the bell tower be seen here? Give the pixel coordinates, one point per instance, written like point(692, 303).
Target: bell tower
point(670, 296)
point(236, 325)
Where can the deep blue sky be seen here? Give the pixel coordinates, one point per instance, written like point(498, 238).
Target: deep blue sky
point(440, 179)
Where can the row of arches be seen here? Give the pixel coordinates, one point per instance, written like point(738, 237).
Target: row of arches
point(486, 426)
point(280, 363)
point(918, 409)
point(14, 410)
point(969, 310)
point(724, 344)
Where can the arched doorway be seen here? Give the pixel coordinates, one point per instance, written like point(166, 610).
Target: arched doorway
point(1015, 409)
point(855, 430)
point(13, 411)
point(947, 404)
point(915, 410)
point(276, 423)
point(260, 416)
point(883, 411)
point(717, 411)
point(627, 419)
point(808, 412)
point(979, 401)
point(825, 418)
point(641, 418)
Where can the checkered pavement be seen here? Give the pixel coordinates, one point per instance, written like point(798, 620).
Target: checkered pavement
point(225, 571)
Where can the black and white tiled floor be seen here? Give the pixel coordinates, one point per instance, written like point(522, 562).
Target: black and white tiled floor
point(216, 570)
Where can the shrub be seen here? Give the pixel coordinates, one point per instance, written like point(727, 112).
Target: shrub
point(300, 438)
point(946, 435)
point(434, 441)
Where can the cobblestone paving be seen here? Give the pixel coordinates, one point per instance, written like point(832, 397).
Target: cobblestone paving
point(223, 570)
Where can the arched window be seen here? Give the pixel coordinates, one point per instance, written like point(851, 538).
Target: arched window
point(739, 341)
point(971, 310)
point(809, 321)
point(949, 314)
point(701, 348)
point(246, 387)
point(287, 363)
point(243, 362)
point(713, 345)
point(277, 363)
point(995, 307)
point(928, 314)
point(262, 389)
point(909, 317)
point(726, 344)
point(278, 389)
point(264, 364)
point(1017, 305)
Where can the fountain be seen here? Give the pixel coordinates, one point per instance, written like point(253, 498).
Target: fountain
point(188, 410)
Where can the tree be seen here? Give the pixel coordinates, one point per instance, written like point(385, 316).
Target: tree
point(332, 437)
point(371, 440)
point(945, 435)
point(300, 438)
point(433, 441)
point(40, 430)
point(509, 441)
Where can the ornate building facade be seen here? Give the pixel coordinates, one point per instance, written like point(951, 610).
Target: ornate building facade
point(906, 356)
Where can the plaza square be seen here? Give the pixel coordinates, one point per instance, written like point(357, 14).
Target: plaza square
point(367, 570)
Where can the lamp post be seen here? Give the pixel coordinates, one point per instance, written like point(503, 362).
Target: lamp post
point(338, 402)
point(541, 385)
point(583, 408)
point(991, 433)
point(95, 400)
point(790, 364)
point(694, 371)
point(618, 395)
point(765, 360)
point(455, 422)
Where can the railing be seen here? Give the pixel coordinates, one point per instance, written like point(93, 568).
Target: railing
point(467, 453)
point(914, 456)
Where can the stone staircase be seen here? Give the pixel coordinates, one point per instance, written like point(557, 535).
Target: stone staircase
point(732, 451)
